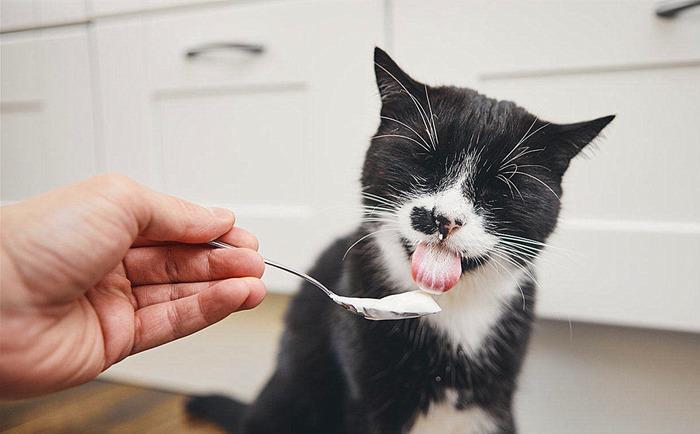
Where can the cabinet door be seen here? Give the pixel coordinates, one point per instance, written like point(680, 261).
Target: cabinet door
point(24, 14)
point(276, 135)
point(112, 7)
point(47, 129)
point(629, 236)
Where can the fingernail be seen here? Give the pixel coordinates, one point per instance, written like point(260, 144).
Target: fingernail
point(222, 214)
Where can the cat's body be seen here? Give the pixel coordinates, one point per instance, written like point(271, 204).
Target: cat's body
point(467, 195)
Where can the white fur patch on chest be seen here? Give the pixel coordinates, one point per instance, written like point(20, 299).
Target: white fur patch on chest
point(471, 309)
point(445, 418)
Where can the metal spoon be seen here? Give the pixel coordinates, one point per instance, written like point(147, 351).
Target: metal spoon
point(411, 304)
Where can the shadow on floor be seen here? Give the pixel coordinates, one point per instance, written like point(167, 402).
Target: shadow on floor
point(101, 407)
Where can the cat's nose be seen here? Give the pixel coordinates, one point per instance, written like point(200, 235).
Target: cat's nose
point(446, 225)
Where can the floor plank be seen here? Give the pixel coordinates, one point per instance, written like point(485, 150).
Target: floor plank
point(103, 407)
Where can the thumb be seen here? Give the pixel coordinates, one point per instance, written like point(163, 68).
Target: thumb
point(152, 215)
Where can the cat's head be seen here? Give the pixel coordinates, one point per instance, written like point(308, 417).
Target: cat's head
point(460, 180)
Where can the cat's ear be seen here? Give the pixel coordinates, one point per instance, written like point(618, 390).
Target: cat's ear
point(563, 142)
point(392, 81)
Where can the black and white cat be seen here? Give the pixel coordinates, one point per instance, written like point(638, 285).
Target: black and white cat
point(460, 194)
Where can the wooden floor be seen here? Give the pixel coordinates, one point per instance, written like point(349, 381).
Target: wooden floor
point(101, 407)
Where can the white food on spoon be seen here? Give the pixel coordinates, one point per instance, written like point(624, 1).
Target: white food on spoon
point(405, 305)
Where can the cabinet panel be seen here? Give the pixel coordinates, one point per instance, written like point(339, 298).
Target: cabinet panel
point(623, 274)
point(644, 167)
point(483, 38)
point(114, 7)
point(631, 219)
point(20, 79)
point(47, 132)
point(277, 136)
point(22, 153)
point(24, 14)
point(215, 144)
point(17, 14)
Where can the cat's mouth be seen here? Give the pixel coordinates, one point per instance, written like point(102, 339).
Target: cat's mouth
point(437, 268)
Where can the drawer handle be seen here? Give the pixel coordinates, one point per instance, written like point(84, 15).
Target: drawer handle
point(224, 46)
point(670, 9)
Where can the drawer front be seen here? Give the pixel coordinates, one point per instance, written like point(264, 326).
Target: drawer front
point(630, 228)
point(277, 136)
point(286, 34)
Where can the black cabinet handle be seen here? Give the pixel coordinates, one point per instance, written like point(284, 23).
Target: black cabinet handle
point(224, 46)
point(669, 9)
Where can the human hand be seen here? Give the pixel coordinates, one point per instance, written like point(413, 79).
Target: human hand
point(107, 268)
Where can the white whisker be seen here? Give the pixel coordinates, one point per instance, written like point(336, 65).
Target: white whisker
point(534, 121)
point(380, 199)
point(538, 180)
point(432, 116)
point(365, 237)
point(401, 123)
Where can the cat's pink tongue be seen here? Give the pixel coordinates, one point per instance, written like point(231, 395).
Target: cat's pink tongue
point(435, 269)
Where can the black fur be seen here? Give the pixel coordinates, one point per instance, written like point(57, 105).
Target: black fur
point(218, 409)
point(423, 220)
point(339, 373)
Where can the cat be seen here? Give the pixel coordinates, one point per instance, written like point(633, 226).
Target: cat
point(460, 192)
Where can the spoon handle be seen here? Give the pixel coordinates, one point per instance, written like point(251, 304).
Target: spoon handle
point(319, 285)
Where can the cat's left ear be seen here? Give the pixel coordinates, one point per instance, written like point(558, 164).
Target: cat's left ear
point(392, 82)
point(562, 142)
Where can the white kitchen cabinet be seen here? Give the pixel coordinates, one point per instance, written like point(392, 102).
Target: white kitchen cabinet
point(278, 136)
point(25, 14)
point(114, 7)
point(46, 112)
point(630, 232)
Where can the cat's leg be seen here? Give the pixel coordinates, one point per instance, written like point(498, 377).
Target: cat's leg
point(306, 394)
point(297, 402)
point(285, 406)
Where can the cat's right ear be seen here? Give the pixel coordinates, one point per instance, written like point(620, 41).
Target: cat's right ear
point(392, 82)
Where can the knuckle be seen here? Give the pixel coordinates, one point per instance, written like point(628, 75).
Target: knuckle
point(255, 285)
point(138, 333)
point(115, 185)
point(254, 242)
point(211, 264)
point(172, 271)
point(118, 181)
point(259, 266)
point(174, 321)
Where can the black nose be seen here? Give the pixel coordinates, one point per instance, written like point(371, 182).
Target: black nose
point(446, 225)
point(427, 221)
